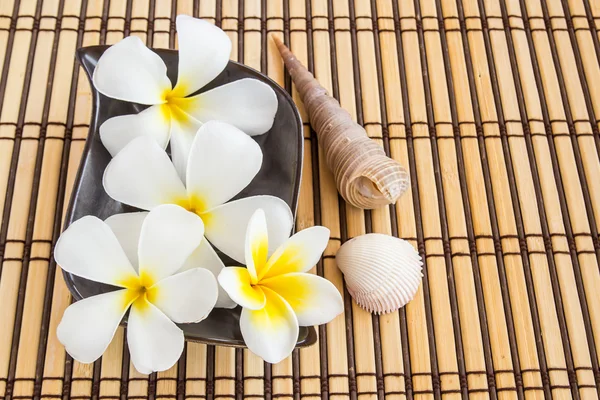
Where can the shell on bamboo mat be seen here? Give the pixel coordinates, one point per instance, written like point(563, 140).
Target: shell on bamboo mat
point(382, 272)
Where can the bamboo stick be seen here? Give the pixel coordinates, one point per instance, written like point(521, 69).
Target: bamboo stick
point(567, 280)
point(554, 352)
point(282, 373)
point(478, 200)
point(568, 170)
point(459, 234)
point(339, 368)
point(392, 362)
point(55, 354)
point(364, 358)
point(41, 231)
point(511, 266)
point(254, 367)
point(15, 226)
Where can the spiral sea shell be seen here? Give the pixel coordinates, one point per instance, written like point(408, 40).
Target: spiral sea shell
point(382, 272)
point(364, 175)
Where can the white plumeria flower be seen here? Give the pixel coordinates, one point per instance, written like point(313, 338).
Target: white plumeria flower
point(130, 71)
point(276, 293)
point(127, 228)
point(156, 296)
point(223, 160)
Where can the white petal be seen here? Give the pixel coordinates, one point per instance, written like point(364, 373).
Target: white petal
point(315, 300)
point(223, 161)
point(249, 104)
point(132, 72)
point(205, 257)
point(203, 53)
point(271, 332)
point(155, 342)
point(127, 228)
point(88, 326)
point(143, 176)
point(236, 282)
point(257, 244)
point(185, 297)
point(183, 132)
point(169, 235)
point(225, 226)
point(88, 248)
point(154, 122)
point(299, 254)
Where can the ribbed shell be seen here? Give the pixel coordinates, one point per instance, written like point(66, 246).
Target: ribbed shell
point(382, 272)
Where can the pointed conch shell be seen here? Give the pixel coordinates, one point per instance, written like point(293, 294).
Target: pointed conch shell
point(382, 272)
point(364, 175)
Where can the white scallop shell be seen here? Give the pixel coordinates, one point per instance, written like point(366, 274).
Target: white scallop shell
point(382, 272)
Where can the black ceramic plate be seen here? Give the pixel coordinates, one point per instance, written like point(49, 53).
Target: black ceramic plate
point(279, 176)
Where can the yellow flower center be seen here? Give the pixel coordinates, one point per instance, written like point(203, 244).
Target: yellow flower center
point(139, 289)
point(176, 105)
point(195, 204)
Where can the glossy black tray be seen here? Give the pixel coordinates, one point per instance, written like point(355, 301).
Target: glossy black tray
point(279, 176)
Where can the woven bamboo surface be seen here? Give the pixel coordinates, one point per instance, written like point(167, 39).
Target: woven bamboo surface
point(491, 104)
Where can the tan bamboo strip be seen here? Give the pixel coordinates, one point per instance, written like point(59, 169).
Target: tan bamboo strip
point(110, 372)
point(433, 230)
point(196, 353)
point(138, 385)
point(17, 224)
point(139, 19)
point(7, 9)
point(513, 264)
point(466, 300)
point(166, 381)
point(420, 356)
point(546, 308)
point(573, 314)
point(162, 24)
point(457, 230)
point(12, 94)
point(392, 362)
point(47, 190)
point(310, 357)
point(568, 170)
point(364, 357)
point(115, 25)
point(254, 371)
point(282, 385)
point(595, 8)
point(230, 23)
point(480, 214)
point(185, 7)
point(583, 33)
point(55, 354)
point(195, 378)
point(305, 217)
point(576, 99)
point(338, 366)
point(6, 12)
point(370, 105)
point(224, 372)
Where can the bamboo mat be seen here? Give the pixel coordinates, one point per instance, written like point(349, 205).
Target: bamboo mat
point(491, 104)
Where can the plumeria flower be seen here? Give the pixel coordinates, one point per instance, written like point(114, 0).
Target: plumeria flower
point(127, 227)
point(276, 293)
point(223, 160)
point(131, 72)
point(156, 297)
